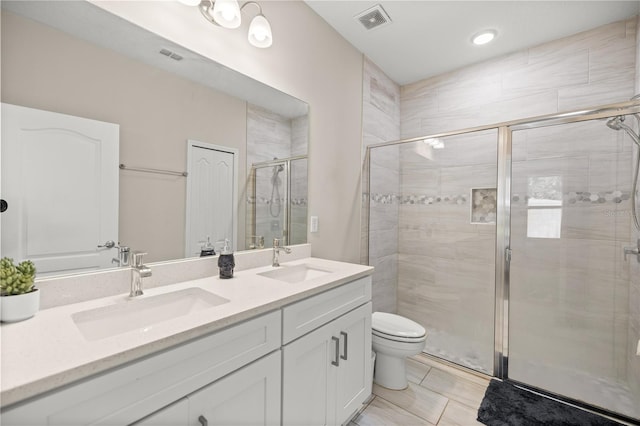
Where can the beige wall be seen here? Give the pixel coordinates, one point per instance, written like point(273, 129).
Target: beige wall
point(157, 112)
point(310, 61)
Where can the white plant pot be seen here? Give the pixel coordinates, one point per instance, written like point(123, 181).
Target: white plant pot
point(19, 307)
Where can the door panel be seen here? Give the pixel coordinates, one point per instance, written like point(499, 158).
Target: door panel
point(307, 373)
point(210, 197)
point(249, 396)
point(60, 178)
point(569, 309)
point(353, 381)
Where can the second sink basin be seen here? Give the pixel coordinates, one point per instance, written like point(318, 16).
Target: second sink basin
point(295, 273)
point(141, 314)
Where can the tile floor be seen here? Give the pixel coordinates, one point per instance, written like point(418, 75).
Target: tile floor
point(437, 395)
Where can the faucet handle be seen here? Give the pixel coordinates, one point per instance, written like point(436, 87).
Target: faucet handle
point(138, 258)
point(276, 242)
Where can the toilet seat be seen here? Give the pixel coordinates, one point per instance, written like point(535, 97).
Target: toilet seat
point(397, 328)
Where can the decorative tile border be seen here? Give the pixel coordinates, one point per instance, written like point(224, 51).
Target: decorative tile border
point(267, 201)
point(577, 197)
point(574, 197)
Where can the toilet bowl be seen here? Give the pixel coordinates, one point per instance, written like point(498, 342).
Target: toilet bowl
point(394, 338)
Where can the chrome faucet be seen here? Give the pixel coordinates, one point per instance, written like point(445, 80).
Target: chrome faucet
point(276, 251)
point(633, 251)
point(139, 271)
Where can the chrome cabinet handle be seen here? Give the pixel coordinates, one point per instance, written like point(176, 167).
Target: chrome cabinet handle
point(203, 421)
point(346, 340)
point(337, 361)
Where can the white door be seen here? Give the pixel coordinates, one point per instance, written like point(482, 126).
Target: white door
point(211, 195)
point(60, 180)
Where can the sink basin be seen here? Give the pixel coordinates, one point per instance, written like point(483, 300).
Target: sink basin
point(295, 273)
point(142, 314)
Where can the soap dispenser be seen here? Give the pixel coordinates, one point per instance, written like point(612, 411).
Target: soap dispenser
point(207, 249)
point(226, 261)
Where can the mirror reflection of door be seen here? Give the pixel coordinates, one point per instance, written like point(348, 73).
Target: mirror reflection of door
point(60, 180)
point(211, 196)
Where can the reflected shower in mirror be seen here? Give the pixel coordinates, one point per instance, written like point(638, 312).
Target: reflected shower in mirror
point(161, 95)
point(277, 164)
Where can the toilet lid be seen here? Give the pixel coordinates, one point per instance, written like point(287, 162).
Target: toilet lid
point(395, 325)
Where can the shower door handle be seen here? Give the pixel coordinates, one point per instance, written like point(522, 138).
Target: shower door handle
point(337, 356)
point(635, 251)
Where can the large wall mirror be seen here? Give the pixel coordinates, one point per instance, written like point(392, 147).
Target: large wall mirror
point(201, 152)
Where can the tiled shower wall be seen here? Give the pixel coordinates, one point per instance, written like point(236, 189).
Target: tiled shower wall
point(381, 123)
point(588, 69)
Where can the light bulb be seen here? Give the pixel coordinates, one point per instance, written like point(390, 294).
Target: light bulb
point(260, 32)
point(226, 13)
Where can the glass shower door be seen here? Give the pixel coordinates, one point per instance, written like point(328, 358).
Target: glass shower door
point(570, 328)
point(446, 209)
point(270, 202)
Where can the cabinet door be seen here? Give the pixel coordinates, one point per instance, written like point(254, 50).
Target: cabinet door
point(307, 375)
point(250, 396)
point(353, 381)
point(176, 414)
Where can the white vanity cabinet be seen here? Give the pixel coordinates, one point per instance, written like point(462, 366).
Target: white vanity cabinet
point(132, 392)
point(305, 363)
point(327, 368)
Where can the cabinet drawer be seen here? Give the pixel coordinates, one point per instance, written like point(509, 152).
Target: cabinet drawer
point(131, 392)
point(302, 317)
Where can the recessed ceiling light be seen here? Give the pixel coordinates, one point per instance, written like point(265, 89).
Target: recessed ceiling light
point(484, 37)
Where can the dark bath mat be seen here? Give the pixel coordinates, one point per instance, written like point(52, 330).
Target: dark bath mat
point(507, 405)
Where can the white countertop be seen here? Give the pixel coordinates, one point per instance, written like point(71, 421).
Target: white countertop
point(48, 350)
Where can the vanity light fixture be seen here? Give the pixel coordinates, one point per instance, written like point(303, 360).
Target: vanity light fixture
point(484, 37)
point(227, 14)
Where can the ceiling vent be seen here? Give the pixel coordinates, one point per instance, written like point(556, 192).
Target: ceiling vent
point(374, 17)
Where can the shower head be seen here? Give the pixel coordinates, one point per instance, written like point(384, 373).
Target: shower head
point(617, 123)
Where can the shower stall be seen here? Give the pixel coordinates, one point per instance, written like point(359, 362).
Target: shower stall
point(278, 202)
point(515, 246)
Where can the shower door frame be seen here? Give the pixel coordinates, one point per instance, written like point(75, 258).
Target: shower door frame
point(503, 223)
point(286, 162)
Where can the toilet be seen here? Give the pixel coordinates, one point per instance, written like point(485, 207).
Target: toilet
point(394, 339)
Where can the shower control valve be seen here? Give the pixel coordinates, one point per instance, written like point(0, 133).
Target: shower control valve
point(633, 250)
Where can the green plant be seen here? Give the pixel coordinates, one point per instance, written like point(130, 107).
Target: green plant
point(16, 279)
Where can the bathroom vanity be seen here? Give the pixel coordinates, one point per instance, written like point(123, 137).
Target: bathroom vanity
point(286, 345)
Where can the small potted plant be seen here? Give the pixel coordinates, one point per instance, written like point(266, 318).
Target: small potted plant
point(19, 299)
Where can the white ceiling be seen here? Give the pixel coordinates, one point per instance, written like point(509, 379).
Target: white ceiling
point(428, 38)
